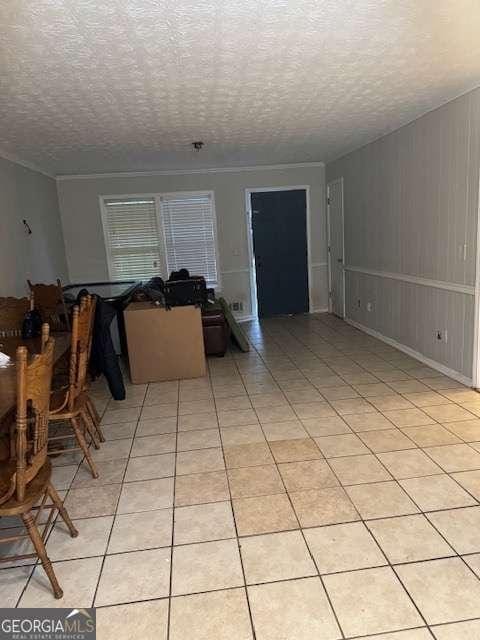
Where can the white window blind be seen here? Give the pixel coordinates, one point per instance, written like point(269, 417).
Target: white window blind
point(131, 237)
point(189, 230)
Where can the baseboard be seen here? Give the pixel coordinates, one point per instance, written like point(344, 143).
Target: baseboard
point(241, 319)
point(323, 310)
point(451, 373)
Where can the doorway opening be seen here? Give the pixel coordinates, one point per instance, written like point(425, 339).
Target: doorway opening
point(278, 221)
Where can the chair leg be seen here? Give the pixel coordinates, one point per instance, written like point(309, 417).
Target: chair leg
point(92, 410)
point(39, 545)
point(83, 445)
point(90, 427)
point(52, 492)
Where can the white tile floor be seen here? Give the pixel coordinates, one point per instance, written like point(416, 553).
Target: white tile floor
point(322, 486)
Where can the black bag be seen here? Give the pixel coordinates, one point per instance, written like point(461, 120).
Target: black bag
point(184, 292)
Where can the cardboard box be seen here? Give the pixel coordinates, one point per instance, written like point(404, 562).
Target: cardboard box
point(164, 344)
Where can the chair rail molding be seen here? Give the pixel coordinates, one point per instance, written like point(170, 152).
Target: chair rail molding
point(424, 282)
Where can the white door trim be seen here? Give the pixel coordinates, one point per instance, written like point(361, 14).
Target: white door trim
point(329, 258)
point(476, 314)
point(251, 256)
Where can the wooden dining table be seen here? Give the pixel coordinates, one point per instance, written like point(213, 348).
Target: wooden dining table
point(8, 347)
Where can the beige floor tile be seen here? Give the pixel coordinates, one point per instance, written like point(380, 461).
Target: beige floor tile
point(150, 445)
point(437, 492)
point(316, 507)
point(156, 426)
point(275, 413)
point(297, 396)
point(373, 389)
point(232, 404)
point(248, 455)
point(442, 383)
point(198, 439)
point(237, 417)
point(381, 500)
point(393, 402)
point(329, 426)
point(110, 472)
point(146, 495)
point(255, 481)
point(461, 395)
point(122, 431)
point(292, 609)
point(218, 615)
point(411, 463)
point(368, 422)
point(112, 450)
point(460, 527)
point(12, 583)
point(137, 531)
point(455, 457)
point(284, 430)
point(448, 413)
point(195, 421)
point(386, 440)
point(205, 567)
point(468, 430)
point(409, 386)
point(62, 477)
point(344, 547)
point(347, 444)
point(307, 410)
point(91, 541)
point(121, 415)
point(470, 480)
point(473, 562)
point(264, 514)
point(88, 502)
point(444, 590)
point(204, 522)
point(160, 411)
point(431, 436)
point(77, 578)
point(196, 406)
point(295, 450)
point(380, 603)
point(276, 556)
point(409, 539)
point(245, 434)
point(199, 461)
point(342, 392)
point(200, 488)
point(427, 399)
point(146, 620)
point(267, 399)
point(311, 474)
point(353, 406)
point(149, 467)
point(458, 631)
point(229, 391)
point(408, 418)
point(138, 575)
point(359, 469)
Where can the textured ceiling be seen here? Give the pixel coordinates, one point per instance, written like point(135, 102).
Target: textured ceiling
point(117, 85)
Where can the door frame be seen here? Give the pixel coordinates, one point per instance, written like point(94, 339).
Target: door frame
point(329, 259)
point(476, 313)
point(251, 254)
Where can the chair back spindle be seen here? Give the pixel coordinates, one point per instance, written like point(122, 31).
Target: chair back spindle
point(34, 379)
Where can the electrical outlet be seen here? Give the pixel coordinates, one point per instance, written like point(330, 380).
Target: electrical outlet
point(236, 306)
point(369, 306)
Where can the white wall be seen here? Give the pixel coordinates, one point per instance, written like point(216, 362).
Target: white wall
point(82, 227)
point(29, 195)
point(411, 202)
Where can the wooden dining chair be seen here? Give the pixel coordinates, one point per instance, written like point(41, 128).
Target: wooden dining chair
point(50, 301)
point(12, 314)
point(25, 479)
point(72, 404)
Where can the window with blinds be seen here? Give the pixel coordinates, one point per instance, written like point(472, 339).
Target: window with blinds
point(188, 222)
point(131, 237)
point(142, 241)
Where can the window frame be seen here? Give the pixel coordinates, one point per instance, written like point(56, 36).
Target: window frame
point(157, 196)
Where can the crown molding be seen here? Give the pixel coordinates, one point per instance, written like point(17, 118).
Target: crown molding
point(180, 172)
point(23, 163)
